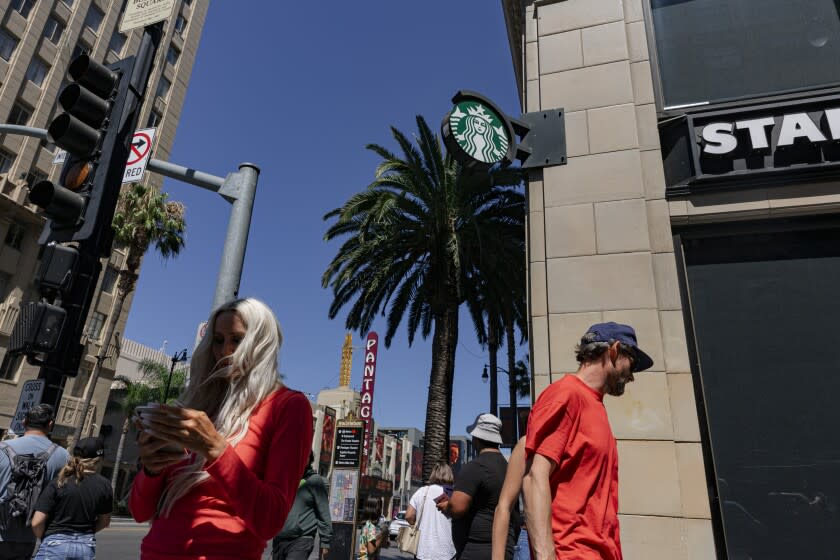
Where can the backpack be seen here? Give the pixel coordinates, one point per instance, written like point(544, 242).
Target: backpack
point(27, 477)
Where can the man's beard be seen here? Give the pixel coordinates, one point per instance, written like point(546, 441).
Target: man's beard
point(617, 390)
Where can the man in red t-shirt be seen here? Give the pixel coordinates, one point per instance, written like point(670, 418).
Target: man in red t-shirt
point(571, 481)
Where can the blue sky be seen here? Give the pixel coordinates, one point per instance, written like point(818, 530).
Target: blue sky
point(299, 88)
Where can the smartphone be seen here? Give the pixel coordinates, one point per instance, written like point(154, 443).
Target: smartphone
point(441, 498)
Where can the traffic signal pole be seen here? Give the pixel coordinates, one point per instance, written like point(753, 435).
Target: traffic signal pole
point(239, 188)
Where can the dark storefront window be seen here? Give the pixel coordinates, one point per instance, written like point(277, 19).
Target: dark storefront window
point(719, 50)
point(765, 311)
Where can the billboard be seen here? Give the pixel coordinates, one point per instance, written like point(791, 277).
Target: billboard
point(417, 466)
point(380, 449)
point(327, 439)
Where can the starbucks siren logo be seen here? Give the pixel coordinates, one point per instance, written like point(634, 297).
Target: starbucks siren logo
point(479, 132)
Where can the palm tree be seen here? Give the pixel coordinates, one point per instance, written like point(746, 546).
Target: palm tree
point(139, 392)
point(497, 304)
point(414, 238)
point(144, 218)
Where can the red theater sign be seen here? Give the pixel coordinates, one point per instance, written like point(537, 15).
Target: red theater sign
point(368, 381)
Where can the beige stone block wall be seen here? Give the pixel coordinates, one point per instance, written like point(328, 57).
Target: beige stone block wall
point(601, 249)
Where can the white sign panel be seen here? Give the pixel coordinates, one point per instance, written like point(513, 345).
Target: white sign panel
point(141, 149)
point(30, 395)
point(140, 13)
point(60, 156)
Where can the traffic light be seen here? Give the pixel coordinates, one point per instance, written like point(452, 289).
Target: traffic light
point(92, 131)
point(100, 111)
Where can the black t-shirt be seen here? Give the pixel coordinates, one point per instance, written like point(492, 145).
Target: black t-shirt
point(481, 478)
point(73, 508)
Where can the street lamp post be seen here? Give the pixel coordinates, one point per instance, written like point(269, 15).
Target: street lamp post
point(176, 357)
point(486, 377)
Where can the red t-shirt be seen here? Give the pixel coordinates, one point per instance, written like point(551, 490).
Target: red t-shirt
point(248, 496)
point(569, 425)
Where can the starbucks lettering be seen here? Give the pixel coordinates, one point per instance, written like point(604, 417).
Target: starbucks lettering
point(721, 138)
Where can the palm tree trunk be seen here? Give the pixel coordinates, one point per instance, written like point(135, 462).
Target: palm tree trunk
point(118, 458)
point(493, 350)
point(511, 356)
point(100, 358)
point(438, 408)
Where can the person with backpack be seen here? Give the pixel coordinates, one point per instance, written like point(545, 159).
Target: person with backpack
point(75, 506)
point(310, 514)
point(27, 465)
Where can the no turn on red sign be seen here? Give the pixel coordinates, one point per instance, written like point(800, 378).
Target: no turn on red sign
point(141, 150)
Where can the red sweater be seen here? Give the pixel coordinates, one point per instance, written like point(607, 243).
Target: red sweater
point(245, 501)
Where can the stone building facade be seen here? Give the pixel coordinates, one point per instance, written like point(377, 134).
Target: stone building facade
point(37, 42)
point(700, 205)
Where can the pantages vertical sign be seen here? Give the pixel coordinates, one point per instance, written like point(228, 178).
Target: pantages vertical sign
point(368, 381)
point(777, 143)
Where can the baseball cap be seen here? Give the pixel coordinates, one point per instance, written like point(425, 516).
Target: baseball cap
point(486, 427)
point(606, 332)
point(89, 448)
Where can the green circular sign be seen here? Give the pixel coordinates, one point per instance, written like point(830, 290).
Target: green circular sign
point(479, 131)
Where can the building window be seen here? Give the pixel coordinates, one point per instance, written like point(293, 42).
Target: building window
point(15, 235)
point(172, 55)
point(94, 18)
point(7, 45)
point(81, 380)
point(19, 114)
point(23, 6)
point(154, 119)
point(79, 50)
point(109, 279)
point(117, 42)
point(5, 285)
point(6, 159)
point(10, 366)
point(163, 88)
point(180, 24)
point(34, 177)
point(53, 30)
point(97, 321)
point(710, 51)
point(69, 3)
point(37, 71)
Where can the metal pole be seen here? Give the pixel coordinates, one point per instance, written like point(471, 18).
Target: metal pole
point(244, 182)
point(186, 174)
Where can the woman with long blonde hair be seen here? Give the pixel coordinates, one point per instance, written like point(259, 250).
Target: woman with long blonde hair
point(74, 506)
point(221, 469)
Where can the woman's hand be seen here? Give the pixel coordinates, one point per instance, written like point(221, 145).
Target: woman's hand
point(154, 453)
point(186, 427)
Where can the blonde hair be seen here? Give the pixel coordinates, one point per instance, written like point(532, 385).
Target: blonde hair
point(441, 474)
point(228, 393)
point(76, 467)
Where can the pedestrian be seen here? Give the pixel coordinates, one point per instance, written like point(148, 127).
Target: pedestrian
point(75, 506)
point(221, 470)
point(27, 465)
point(310, 515)
point(476, 495)
point(435, 541)
point(371, 537)
point(571, 485)
point(509, 505)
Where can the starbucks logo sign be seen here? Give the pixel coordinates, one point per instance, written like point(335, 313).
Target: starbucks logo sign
point(476, 132)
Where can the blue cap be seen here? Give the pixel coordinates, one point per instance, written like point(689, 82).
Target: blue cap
point(612, 332)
